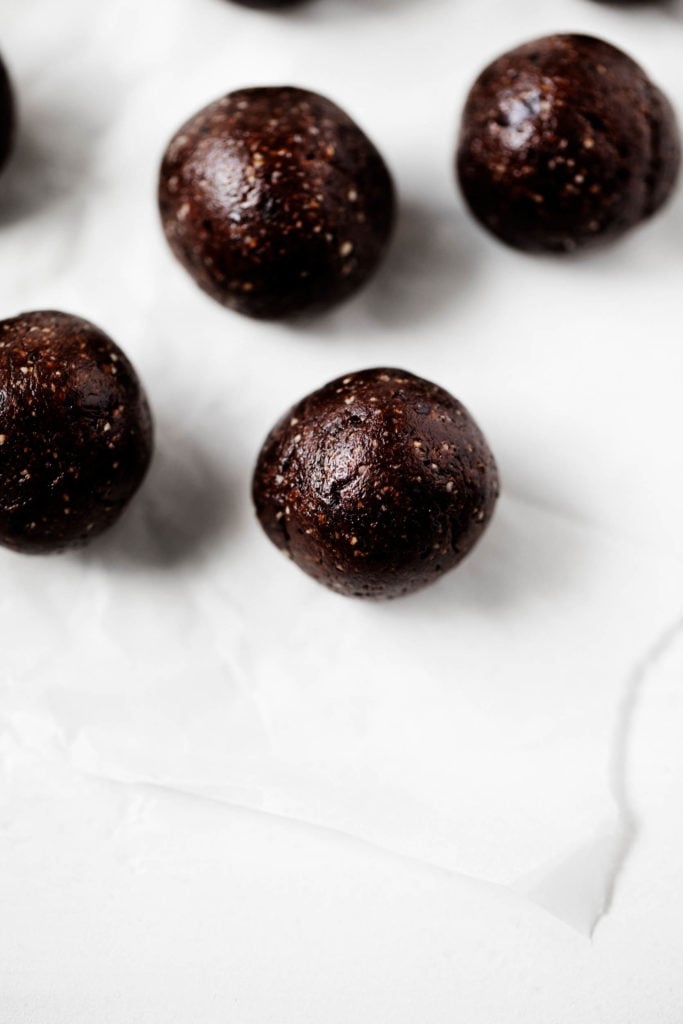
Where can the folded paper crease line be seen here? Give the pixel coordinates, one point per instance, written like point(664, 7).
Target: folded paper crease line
point(631, 701)
point(455, 728)
point(582, 887)
point(472, 726)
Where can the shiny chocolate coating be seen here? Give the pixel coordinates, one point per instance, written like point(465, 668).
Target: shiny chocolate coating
point(376, 484)
point(276, 202)
point(75, 432)
point(565, 142)
point(7, 116)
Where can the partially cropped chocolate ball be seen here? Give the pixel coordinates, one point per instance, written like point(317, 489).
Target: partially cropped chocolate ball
point(6, 116)
point(376, 484)
point(566, 142)
point(276, 202)
point(75, 432)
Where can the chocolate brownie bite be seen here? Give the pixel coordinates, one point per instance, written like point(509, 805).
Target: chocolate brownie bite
point(376, 484)
point(75, 432)
point(276, 202)
point(565, 142)
point(7, 116)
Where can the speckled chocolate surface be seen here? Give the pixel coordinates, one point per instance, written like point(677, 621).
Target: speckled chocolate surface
point(276, 202)
point(376, 484)
point(7, 116)
point(566, 142)
point(75, 432)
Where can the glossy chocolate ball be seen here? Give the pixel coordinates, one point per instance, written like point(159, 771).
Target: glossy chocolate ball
point(75, 432)
point(276, 202)
point(376, 484)
point(7, 116)
point(566, 142)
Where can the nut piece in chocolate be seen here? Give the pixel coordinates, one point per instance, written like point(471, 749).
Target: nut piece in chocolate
point(276, 202)
point(565, 142)
point(376, 484)
point(7, 116)
point(75, 432)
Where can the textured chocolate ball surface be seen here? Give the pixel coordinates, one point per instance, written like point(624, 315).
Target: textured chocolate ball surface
point(376, 484)
point(565, 142)
point(7, 116)
point(75, 432)
point(276, 202)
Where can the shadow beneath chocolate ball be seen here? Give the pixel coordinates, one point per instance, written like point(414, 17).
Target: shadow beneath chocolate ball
point(645, 253)
point(182, 512)
point(49, 164)
point(671, 8)
point(317, 10)
point(635, 5)
point(669, 225)
point(432, 261)
point(345, 8)
point(532, 551)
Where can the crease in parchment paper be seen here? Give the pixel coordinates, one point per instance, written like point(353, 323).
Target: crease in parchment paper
point(630, 703)
point(581, 888)
point(470, 728)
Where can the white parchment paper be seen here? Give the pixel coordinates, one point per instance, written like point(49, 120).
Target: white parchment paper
point(479, 725)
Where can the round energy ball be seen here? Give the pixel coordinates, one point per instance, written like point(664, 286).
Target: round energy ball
point(7, 116)
point(566, 142)
point(376, 484)
point(75, 432)
point(276, 202)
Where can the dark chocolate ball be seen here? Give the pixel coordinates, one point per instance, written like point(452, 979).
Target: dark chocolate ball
point(7, 117)
point(566, 142)
point(376, 484)
point(75, 432)
point(276, 202)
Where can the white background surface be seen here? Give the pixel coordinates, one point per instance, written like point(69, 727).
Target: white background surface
point(122, 902)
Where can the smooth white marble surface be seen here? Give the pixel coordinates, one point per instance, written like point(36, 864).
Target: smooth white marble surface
point(517, 725)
